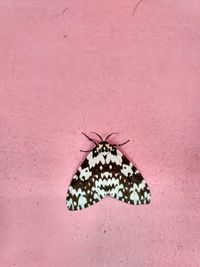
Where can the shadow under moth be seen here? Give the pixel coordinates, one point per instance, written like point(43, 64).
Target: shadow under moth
point(106, 171)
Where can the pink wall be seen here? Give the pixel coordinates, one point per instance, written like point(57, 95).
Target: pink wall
point(72, 66)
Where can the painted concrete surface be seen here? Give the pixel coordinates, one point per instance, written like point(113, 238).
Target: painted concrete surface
point(73, 66)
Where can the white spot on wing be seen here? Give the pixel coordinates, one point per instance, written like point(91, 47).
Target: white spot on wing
point(85, 173)
point(134, 196)
point(127, 170)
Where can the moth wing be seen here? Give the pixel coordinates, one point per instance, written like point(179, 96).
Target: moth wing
point(82, 192)
point(131, 186)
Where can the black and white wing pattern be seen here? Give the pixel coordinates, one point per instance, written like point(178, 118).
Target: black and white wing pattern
point(106, 171)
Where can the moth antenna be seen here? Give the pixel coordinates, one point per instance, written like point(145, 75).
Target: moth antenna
point(98, 136)
point(122, 143)
point(110, 135)
point(85, 150)
point(89, 138)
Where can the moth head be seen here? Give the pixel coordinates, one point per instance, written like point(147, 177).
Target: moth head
point(104, 148)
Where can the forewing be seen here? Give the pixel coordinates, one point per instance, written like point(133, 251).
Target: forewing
point(82, 192)
point(131, 186)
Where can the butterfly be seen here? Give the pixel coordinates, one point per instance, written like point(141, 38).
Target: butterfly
point(106, 171)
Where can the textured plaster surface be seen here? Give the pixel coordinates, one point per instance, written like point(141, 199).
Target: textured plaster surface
point(72, 66)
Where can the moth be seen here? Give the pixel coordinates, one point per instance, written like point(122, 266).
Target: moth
point(106, 171)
